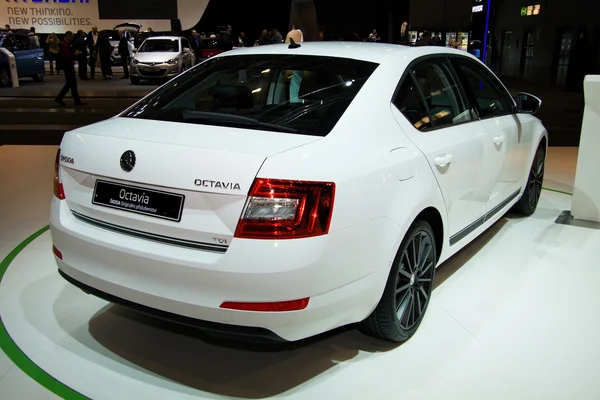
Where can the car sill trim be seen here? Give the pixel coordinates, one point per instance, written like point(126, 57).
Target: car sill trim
point(482, 220)
point(151, 236)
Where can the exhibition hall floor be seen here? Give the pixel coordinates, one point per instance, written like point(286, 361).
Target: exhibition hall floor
point(514, 316)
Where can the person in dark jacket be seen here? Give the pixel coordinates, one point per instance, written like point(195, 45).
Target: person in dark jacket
point(80, 45)
point(124, 53)
point(67, 58)
point(105, 50)
point(425, 40)
point(579, 63)
point(196, 44)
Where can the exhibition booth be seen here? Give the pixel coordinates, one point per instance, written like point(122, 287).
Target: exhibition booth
point(512, 315)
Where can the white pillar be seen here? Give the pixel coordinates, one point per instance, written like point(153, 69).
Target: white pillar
point(586, 194)
point(12, 66)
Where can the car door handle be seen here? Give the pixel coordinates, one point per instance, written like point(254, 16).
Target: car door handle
point(498, 140)
point(442, 161)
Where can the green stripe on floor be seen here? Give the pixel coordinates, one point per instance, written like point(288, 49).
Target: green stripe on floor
point(13, 351)
point(558, 191)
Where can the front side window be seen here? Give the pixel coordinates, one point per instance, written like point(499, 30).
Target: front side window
point(431, 96)
point(160, 45)
point(283, 93)
point(492, 100)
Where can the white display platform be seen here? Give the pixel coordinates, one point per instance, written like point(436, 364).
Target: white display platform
point(12, 66)
point(515, 317)
point(586, 194)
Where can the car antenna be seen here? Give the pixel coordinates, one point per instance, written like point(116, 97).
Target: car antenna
point(293, 44)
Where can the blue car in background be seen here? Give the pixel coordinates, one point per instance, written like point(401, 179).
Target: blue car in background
point(29, 60)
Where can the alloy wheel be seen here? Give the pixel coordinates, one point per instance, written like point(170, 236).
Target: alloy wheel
point(536, 179)
point(415, 280)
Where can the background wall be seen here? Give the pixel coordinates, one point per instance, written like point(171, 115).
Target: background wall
point(538, 59)
point(444, 14)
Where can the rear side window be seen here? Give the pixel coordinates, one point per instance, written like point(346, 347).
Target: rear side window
point(431, 97)
point(410, 103)
point(284, 93)
point(492, 100)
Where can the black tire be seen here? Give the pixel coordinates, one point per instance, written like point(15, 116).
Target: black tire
point(4, 78)
point(407, 292)
point(135, 81)
point(38, 77)
point(533, 189)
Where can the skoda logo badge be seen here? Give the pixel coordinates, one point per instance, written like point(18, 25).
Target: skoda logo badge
point(128, 161)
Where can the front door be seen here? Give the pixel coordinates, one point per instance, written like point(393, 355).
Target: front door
point(495, 108)
point(454, 142)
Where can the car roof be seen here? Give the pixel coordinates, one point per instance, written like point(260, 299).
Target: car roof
point(163, 37)
point(366, 51)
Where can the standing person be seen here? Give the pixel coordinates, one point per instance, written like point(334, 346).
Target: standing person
point(225, 39)
point(124, 53)
point(196, 45)
point(67, 60)
point(303, 22)
point(33, 38)
point(92, 42)
point(105, 49)
point(7, 28)
point(53, 43)
point(425, 40)
point(579, 62)
point(404, 36)
point(277, 38)
point(80, 45)
point(263, 39)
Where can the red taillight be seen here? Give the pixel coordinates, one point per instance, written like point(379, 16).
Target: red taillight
point(57, 253)
point(280, 306)
point(284, 209)
point(58, 187)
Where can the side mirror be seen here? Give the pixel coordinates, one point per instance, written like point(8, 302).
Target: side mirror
point(527, 103)
point(134, 51)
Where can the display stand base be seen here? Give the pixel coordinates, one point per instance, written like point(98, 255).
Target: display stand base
point(566, 218)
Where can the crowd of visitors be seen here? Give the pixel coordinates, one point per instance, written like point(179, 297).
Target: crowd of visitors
point(94, 50)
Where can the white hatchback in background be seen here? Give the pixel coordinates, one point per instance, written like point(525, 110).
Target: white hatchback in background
point(280, 192)
point(161, 57)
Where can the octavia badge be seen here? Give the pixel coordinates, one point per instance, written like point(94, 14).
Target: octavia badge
point(128, 161)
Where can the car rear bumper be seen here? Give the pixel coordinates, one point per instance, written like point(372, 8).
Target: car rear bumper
point(343, 273)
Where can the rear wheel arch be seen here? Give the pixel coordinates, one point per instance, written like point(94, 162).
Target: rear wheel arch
point(432, 216)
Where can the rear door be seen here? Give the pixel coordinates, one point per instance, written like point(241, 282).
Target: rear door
point(454, 142)
point(495, 109)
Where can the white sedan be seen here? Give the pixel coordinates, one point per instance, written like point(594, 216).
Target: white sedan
point(282, 191)
point(161, 57)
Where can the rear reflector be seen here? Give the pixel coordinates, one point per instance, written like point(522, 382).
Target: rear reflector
point(281, 306)
point(57, 253)
point(284, 209)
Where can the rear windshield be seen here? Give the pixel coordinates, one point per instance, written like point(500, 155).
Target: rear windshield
point(294, 94)
point(160, 45)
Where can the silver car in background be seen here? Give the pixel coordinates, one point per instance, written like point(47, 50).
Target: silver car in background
point(161, 57)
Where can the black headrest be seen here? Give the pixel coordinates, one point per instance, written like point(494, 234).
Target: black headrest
point(237, 97)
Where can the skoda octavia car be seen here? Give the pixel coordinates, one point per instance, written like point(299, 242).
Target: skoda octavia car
point(161, 57)
point(283, 191)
